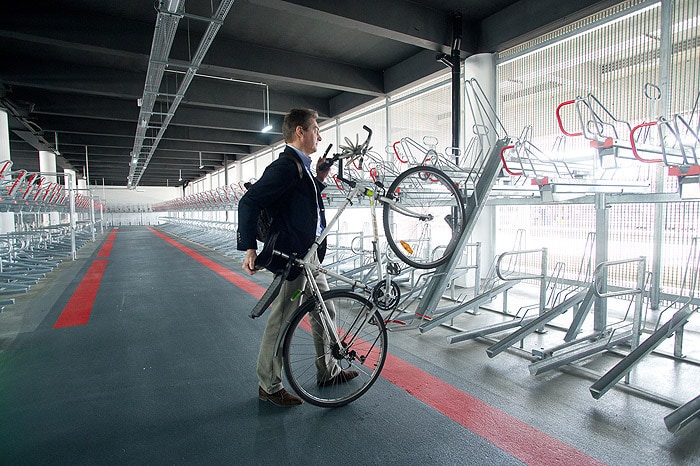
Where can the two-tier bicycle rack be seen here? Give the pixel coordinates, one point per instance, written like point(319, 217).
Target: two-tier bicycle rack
point(38, 243)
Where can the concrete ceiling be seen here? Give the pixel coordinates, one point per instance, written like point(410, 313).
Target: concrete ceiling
point(72, 71)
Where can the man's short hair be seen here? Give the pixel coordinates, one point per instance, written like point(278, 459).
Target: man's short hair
point(297, 117)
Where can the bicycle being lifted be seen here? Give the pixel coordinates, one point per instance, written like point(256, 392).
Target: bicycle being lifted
point(422, 206)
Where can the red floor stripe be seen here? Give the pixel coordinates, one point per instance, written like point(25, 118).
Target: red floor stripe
point(246, 285)
point(79, 307)
point(524, 442)
point(518, 438)
point(106, 249)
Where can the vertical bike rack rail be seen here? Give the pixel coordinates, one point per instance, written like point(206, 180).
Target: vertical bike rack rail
point(483, 173)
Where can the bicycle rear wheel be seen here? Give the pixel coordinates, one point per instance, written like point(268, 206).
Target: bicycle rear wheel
point(425, 218)
point(364, 346)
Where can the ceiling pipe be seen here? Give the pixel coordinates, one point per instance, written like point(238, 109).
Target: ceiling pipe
point(163, 37)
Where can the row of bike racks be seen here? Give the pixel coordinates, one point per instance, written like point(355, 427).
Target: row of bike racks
point(556, 296)
point(49, 223)
point(673, 141)
point(625, 151)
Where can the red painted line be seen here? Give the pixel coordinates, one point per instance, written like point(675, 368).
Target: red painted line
point(518, 438)
point(79, 307)
point(106, 249)
point(510, 434)
point(246, 285)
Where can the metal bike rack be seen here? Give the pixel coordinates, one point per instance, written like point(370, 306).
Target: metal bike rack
point(40, 240)
point(673, 325)
point(622, 332)
point(509, 279)
point(488, 295)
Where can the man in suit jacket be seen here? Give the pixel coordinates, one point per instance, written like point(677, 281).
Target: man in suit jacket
point(298, 216)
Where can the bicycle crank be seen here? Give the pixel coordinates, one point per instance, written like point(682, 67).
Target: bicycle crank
point(386, 300)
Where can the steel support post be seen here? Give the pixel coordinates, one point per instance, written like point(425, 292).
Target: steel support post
point(665, 61)
point(456, 62)
point(602, 227)
point(71, 202)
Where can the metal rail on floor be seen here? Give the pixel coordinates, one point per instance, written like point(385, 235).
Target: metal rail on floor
point(508, 279)
point(617, 333)
point(682, 415)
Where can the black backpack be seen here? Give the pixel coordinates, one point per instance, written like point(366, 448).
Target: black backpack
point(265, 219)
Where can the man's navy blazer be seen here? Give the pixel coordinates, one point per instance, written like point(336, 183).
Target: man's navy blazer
point(290, 201)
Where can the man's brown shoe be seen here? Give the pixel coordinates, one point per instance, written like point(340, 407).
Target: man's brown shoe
point(280, 398)
point(342, 377)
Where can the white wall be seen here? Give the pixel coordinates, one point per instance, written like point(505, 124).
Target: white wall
point(141, 195)
point(134, 206)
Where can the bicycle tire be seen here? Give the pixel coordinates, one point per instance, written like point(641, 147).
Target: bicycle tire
point(366, 353)
point(427, 191)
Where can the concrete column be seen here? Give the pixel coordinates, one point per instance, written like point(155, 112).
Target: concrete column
point(71, 178)
point(4, 136)
point(7, 219)
point(71, 181)
point(47, 164)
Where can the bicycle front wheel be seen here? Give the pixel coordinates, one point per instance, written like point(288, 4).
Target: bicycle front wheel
point(311, 357)
point(424, 218)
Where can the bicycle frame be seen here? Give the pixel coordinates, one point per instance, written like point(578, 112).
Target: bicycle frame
point(310, 268)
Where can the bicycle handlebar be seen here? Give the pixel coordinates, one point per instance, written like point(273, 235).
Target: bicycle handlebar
point(326, 165)
point(348, 151)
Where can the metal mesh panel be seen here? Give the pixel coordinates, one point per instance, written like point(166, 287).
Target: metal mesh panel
point(425, 114)
point(685, 66)
point(613, 61)
point(681, 224)
point(616, 56)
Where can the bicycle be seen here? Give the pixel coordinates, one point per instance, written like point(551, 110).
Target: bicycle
point(357, 337)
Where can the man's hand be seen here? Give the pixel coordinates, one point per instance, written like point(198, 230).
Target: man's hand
point(321, 174)
point(249, 261)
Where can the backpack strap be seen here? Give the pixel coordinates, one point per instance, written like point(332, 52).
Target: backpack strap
point(297, 162)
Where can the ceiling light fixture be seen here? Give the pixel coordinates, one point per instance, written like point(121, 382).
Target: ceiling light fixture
point(201, 165)
point(180, 179)
point(266, 110)
point(266, 96)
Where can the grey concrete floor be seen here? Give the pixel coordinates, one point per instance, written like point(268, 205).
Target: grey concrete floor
point(165, 373)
